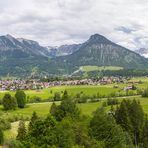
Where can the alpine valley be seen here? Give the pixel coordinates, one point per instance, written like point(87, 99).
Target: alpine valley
point(22, 57)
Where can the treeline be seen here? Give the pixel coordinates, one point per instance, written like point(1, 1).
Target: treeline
point(125, 127)
point(121, 72)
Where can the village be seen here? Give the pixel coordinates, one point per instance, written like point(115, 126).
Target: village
point(13, 85)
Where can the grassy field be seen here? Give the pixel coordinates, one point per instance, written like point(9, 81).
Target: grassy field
point(97, 68)
point(89, 90)
point(72, 91)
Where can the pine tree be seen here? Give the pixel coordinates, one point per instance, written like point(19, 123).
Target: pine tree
point(65, 95)
point(104, 128)
point(144, 137)
point(21, 131)
point(53, 109)
point(33, 119)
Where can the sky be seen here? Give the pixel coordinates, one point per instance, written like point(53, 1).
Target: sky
point(58, 22)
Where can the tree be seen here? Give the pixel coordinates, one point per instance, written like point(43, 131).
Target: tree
point(65, 95)
point(9, 102)
point(33, 119)
point(21, 131)
point(144, 137)
point(21, 98)
point(104, 128)
point(130, 116)
point(57, 96)
point(53, 109)
point(1, 136)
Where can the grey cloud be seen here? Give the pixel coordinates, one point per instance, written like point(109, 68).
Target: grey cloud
point(53, 22)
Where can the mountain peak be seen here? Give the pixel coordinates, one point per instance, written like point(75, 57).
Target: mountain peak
point(97, 38)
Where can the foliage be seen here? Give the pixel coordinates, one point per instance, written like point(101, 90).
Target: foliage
point(21, 131)
point(130, 116)
point(1, 137)
point(9, 102)
point(21, 98)
point(4, 124)
point(103, 128)
point(145, 93)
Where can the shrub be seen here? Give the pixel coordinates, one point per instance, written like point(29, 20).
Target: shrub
point(112, 101)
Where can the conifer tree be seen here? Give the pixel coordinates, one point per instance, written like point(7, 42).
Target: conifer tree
point(21, 131)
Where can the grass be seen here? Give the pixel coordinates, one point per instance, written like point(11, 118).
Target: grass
point(72, 91)
point(12, 133)
point(97, 68)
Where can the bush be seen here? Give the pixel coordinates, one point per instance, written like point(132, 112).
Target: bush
point(112, 101)
point(57, 96)
point(4, 124)
point(35, 99)
point(145, 93)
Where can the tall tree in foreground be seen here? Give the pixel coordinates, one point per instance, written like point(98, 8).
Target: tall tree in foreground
point(104, 129)
point(21, 131)
point(21, 98)
point(130, 116)
point(33, 119)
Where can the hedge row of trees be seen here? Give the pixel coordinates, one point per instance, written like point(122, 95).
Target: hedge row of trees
point(10, 102)
point(65, 127)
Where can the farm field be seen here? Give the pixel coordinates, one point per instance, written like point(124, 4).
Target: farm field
point(97, 68)
point(72, 90)
point(42, 109)
point(103, 90)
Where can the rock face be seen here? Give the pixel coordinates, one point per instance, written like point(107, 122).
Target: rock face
point(63, 50)
point(143, 52)
point(12, 47)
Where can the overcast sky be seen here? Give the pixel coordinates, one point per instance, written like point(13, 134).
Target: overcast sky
point(56, 22)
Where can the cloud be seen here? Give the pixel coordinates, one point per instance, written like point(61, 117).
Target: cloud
point(56, 22)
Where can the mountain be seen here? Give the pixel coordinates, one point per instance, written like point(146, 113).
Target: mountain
point(20, 47)
point(63, 50)
point(22, 57)
point(99, 51)
point(143, 52)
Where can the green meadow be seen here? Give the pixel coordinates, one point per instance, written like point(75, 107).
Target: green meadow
point(72, 91)
point(97, 68)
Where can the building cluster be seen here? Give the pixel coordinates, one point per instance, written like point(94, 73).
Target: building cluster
point(21, 85)
point(36, 84)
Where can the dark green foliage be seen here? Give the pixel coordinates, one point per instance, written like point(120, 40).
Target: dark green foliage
point(53, 109)
point(4, 124)
point(9, 102)
point(33, 119)
point(1, 137)
point(130, 116)
point(21, 98)
point(65, 95)
point(57, 96)
point(103, 128)
point(144, 136)
point(145, 93)
point(111, 101)
point(21, 131)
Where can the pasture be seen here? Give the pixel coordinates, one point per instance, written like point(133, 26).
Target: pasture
point(97, 68)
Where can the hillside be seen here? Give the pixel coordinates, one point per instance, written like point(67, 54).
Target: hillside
point(22, 57)
point(99, 51)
